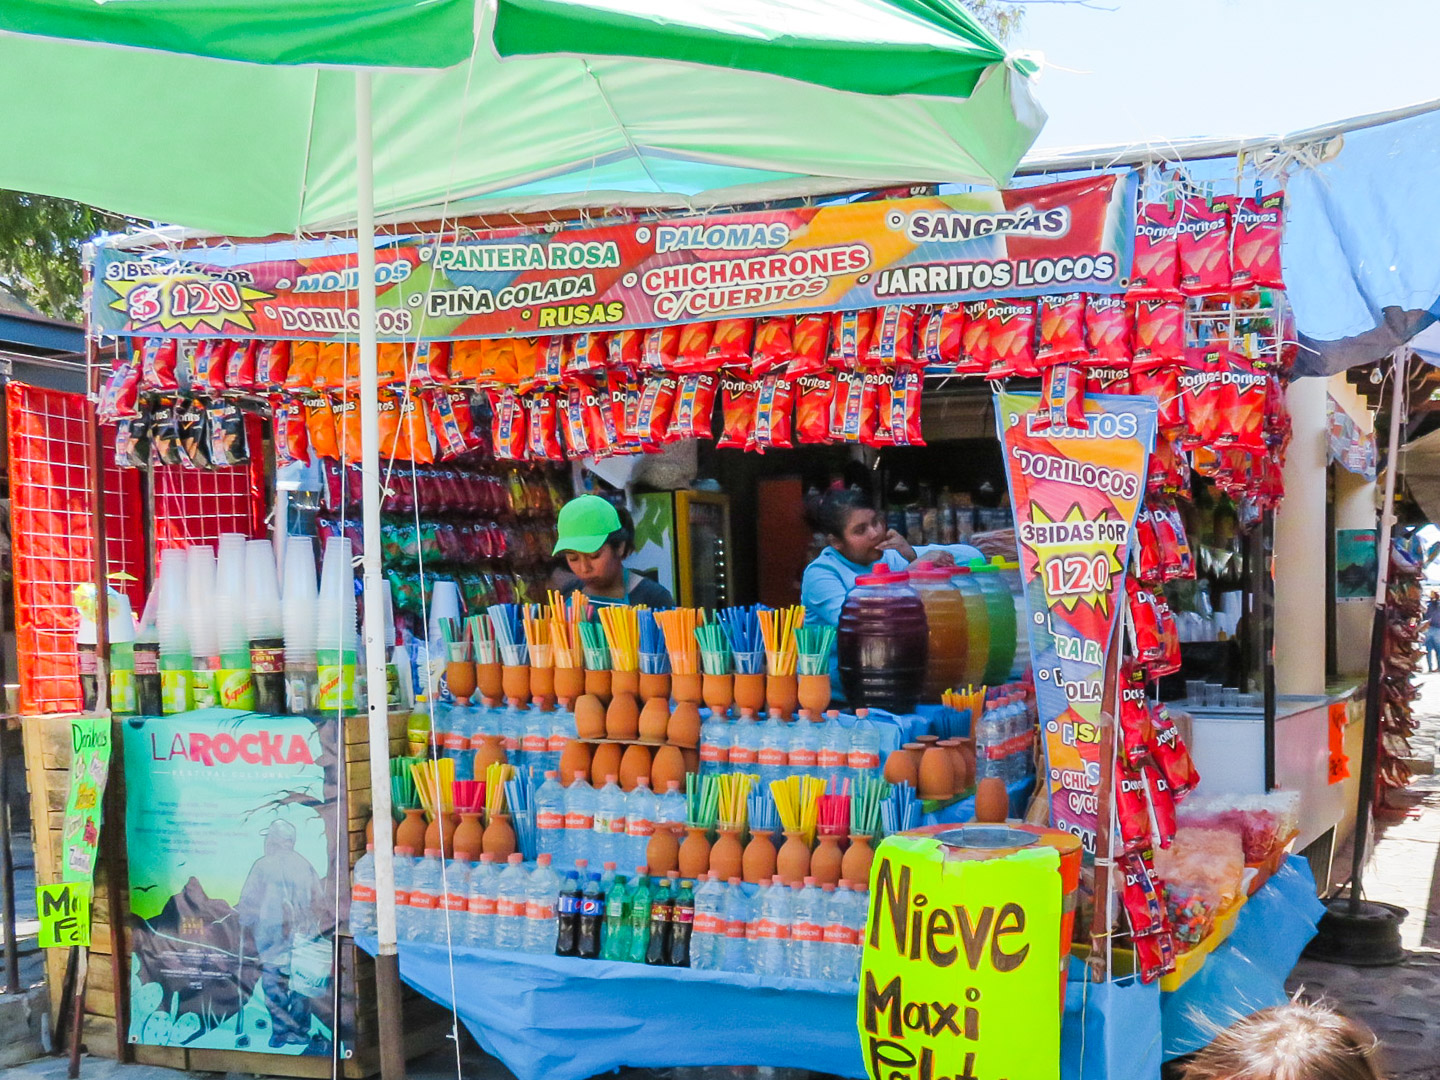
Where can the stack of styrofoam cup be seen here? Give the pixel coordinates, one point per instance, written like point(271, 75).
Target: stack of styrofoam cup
point(444, 604)
point(335, 611)
point(172, 612)
point(229, 604)
point(200, 576)
point(262, 592)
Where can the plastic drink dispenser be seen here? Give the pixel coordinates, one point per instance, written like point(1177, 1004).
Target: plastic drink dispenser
point(1000, 606)
point(945, 615)
point(882, 642)
point(977, 625)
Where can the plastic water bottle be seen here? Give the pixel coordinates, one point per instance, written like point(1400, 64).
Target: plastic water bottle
point(641, 809)
point(715, 744)
point(550, 817)
point(362, 894)
point(833, 758)
point(672, 805)
point(827, 942)
point(425, 886)
point(540, 895)
point(837, 937)
point(452, 920)
point(744, 743)
point(856, 916)
point(987, 741)
point(708, 931)
point(734, 955)
point(562, 729)
point(481, 897)
point(863, 759)
point(510, 907)
point(454, 734)
point(404, 869)
point(804, 756)
point(512, 726)
point(535, 735)
point(774, 753)
point(580, 820)
point(609, 821)
point(807, 932)
point(772, 958)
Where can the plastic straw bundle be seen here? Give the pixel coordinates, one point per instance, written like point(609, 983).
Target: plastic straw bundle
point(714, 644)
point(469, 795)
point(654, 660)
point(403, 795)
point(747, 644)
point(537, 634)
point(509, 623)
point(495, 777)
point(870, 793)
point(900, 810)
point(812, 649)
point(702, 800)
point(482, 634)
point(777, 630)
point(522, 814)
point(680, 628)
point(834, 814)
point(734, 796)
point(434, 781)
point(565, 619)
point(797, 801)
point(973, 698)
point(622, 635)
point(837, 785)
point(451, 630)
point(593, 644)
point(762, 812)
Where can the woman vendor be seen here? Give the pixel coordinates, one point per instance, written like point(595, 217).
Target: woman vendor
point(595, 536)
point(856, 539)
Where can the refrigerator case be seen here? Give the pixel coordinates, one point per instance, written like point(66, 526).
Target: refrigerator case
point(682, 539)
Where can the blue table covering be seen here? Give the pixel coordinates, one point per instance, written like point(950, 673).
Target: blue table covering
point(558, 1018)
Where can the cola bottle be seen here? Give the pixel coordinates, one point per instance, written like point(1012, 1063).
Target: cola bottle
point(567, 917)
point(682, 921)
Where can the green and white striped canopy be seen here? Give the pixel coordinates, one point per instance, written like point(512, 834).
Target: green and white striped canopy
point(237, 116)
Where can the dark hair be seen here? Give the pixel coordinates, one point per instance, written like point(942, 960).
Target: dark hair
point(832, 513)
point(623, 538)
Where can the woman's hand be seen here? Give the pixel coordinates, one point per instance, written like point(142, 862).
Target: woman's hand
point(937, 557)
point(895, 542)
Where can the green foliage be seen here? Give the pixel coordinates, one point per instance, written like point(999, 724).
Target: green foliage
point(40, 245)
point(1001, 19)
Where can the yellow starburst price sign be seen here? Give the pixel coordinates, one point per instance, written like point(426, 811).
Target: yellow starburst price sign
point(1077, 556)
point(191, 302)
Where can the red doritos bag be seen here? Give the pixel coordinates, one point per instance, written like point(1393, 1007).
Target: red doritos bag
point(1242, 420)
point(1132, 809)
point(445, 421)
point(773, 405)
point(661, 349)
point(1107, 329)
point(809, 343)
point(652, 415)
point(157, 366)
point(1141, 895)
point(1162, 807)
point(554, 360)
point(696, 340)
point(1177, 561)
point(892, 344)
point(120, 395)
point(1108, 379)
point(576, 430)
point(1170, 755)
point(737, 410)
point(813, 396)
point(624, 390)
point(850, 333)
point(240, 364)
point(320, 426)
point(625, 348)
point(432, 363)
point(1062, 330)
point(694, 412)
point(847, 407)
point(730, 345)
point(1155, 272)
point(1163, 384)
point(773, 345)
point(1144, 622)
point(1062, 397)
point(588, 354)
point(975, 352)
point(1203, 240)
point(1145, 554)
point(1155, 955)
point(1159, 332)
point(1201, 391)
point(1135, 732)
point(941, 333)
point(542, 439)
point(507, 425)
point(1255, 231)
point(272, 365)
point(1012, 339)
point(292, 443)
point(905, 408)
point(875, 410)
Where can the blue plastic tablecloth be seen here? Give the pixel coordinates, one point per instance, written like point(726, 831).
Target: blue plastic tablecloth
point(559, 1018)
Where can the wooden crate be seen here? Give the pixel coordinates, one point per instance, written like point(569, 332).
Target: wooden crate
point(47, 761)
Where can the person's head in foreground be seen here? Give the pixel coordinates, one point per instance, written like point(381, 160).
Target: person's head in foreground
point(1298, 1041)
point(595, 538)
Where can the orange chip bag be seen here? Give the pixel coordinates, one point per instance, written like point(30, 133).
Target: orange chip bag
point(941, 332)
point(347, 428)
point(414, 429)
point(465, 361)
point(1062, 329)
point(813, 397)
point(304, 359)
point(394, 441)
point(392, 362)
point(975, 351)
point(498, 362)
point(320, 426)
point(772, 347)
point(330, 370)
point(694, 348)
point(527, 363)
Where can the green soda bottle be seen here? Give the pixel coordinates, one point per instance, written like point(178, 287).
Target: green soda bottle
point(615, 932)
point(639, 921)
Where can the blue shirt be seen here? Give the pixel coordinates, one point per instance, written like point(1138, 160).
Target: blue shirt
point(830, 577)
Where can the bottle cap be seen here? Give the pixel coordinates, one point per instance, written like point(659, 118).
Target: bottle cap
point(610, 778)
point(432, 853)
point(673, 874)
point(734, 881)
point(404, 851)
point(516, 859)
point(809, 881)
point(642, 781)
point(543, 859)
point(488, 857)
point(552, 774)
point(464, 856)
point(610, 866)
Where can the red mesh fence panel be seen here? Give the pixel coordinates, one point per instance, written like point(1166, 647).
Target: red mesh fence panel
point(51, 538)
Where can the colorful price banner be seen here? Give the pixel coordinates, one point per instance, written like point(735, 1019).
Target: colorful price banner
point(1075, 493)
point(960, 966)
point(1076, 234)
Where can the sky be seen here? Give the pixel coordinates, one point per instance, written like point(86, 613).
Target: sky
point(1122, 71)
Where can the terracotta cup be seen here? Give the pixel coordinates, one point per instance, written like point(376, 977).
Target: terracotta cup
point(654, 686)
point(937, 774)
point(634, 763)
point(669, 764)
point(622, 718)
point(813, 692)
point(683, 727)
point(900, 768)
point(694, 852)
point(499, 837)
point(687, 687)
point(490, 751)
point(440, 833)
point(718, 692)
point(726, 854)
point(542, 682)
point(625, 682)
point(598, 682)
point(490, 681)
point(460, 678)
point(958, 765)
point(758, 862)
point(470, 834)
point(750, 691)
point(569, 682)
point(825, 862)
point(605, 762)
point(574, 758)
point(411, 833)
point(654, 719)
point(793, 861)
point(662, 854)
point(515, 681)
point(855, 866)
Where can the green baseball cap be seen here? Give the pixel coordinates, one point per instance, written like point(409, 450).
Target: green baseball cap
point(585, 524)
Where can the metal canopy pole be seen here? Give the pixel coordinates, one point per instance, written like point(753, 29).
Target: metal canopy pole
point(387, 958)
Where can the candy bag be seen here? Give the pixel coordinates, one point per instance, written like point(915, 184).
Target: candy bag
point(694, 412)
point(850, 334)
point(1203, 242)
point(508, 433)
point(292, 442)
point(773, 404)
point(1155, 272)
point(1012, 339)
point(1062, 329)
point(225, 424)
point(892, 342)
point(847, 407)
point(1107, 329)
point(1159, 333)
point(737, 410)
point(941, 332)
point(1255, 232)
point(320, 426)
point(813, 397)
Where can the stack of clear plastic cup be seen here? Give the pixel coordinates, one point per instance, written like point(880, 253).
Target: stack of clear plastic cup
point(262, 591)
point(204, 639)
point(229, 608)
point(171, 617)
point(335, 651)
point(298, 618)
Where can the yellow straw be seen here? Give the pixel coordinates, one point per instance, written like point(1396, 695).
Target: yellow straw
point(777, 628)
point(622, 633)
point(495, 776)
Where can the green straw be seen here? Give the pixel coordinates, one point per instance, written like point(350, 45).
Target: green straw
point(812, 649)
point(865, 799)
point(714, 649)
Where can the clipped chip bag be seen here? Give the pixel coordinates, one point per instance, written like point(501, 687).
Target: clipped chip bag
point(1155, 272)
point(1062, 330)
point(773, 403)
point(737, 411)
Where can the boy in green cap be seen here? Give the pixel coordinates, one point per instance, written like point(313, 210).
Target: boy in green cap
point(595, 536)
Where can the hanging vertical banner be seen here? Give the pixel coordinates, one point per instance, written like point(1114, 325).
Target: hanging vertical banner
point(958, 975)
point(1075, 492)
point(89, 770)
point(233, 832)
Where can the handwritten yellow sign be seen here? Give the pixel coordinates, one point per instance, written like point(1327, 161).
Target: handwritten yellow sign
point(960, 978)
point(64, 911)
